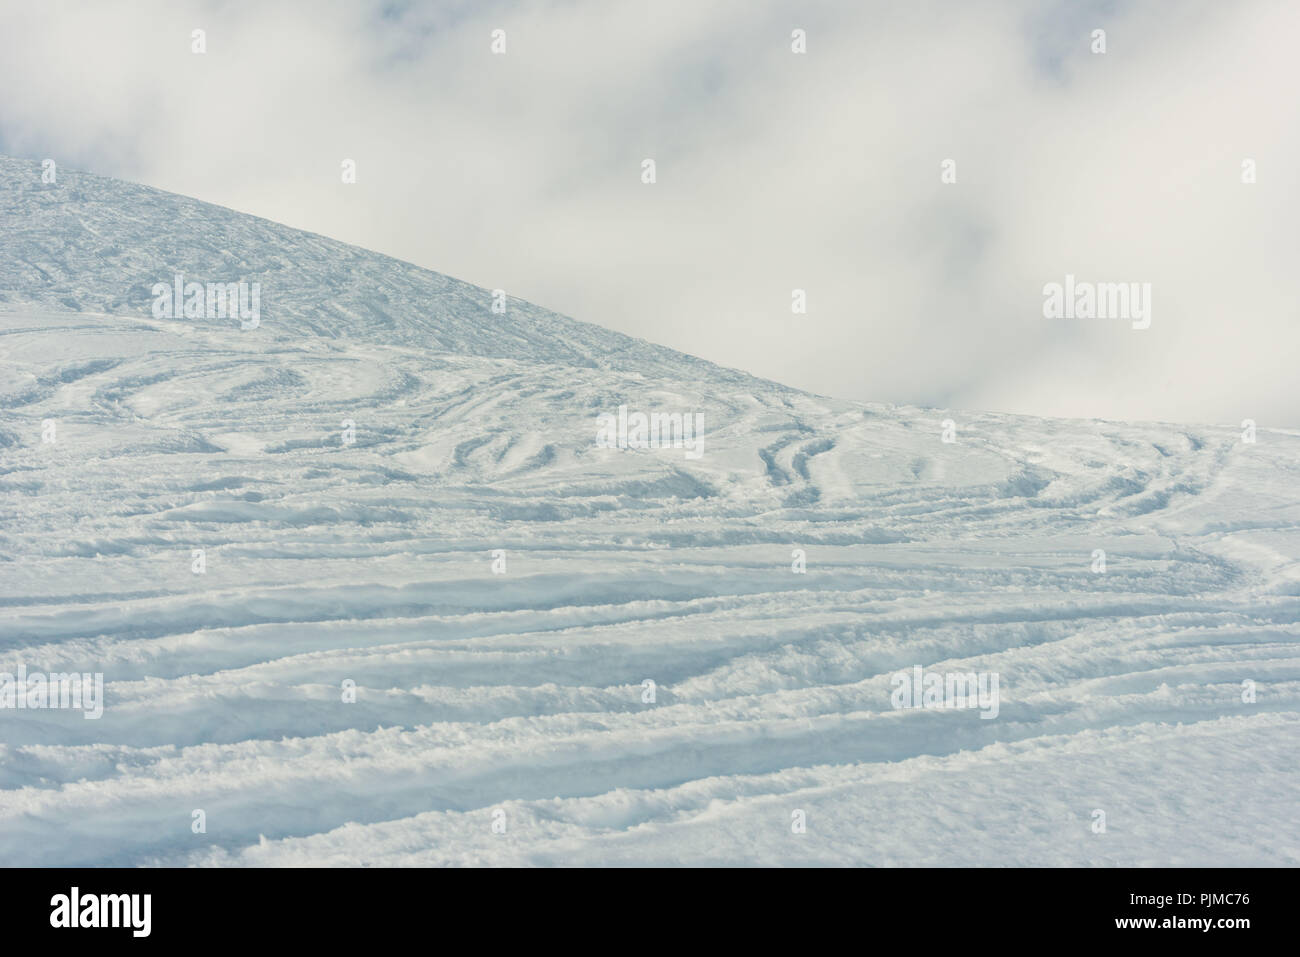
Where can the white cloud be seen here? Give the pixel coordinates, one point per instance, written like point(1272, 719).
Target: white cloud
point(775, 171)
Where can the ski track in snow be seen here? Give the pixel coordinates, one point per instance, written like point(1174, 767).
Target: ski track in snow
point(522, 692)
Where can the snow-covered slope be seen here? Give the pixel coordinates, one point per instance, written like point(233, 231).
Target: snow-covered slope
point(89, 243)
point(517, 698)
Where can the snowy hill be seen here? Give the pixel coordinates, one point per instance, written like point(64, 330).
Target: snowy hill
point(94, 244)
point(353, 468)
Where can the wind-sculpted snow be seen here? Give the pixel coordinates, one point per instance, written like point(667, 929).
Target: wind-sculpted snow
point(89, 243)
point(365, 553)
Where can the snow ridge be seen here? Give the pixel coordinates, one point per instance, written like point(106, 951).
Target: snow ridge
point(94, 244)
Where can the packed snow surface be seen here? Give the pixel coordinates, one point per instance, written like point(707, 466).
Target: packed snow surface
point(502, 715)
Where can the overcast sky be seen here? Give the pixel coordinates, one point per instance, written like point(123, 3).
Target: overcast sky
point(775, 171)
